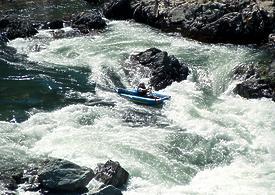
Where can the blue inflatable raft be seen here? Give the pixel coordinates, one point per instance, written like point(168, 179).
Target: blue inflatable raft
point(153, 100)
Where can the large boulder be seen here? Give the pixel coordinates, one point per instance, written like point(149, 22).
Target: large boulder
point(258, 81)
point(165, 69)
point(111, 173)
point(63, 175)
point(256, 88)
point(87, 21)
point(15, 28)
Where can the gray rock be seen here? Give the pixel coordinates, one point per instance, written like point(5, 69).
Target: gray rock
point(111, 173)
point(256, 88)
point(62, 175)
point(165, 69)
point(259, 81)
point(87, 21)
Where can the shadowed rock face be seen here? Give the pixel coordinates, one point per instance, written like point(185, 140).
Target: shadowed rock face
point(165, 69)
point(224, 21)
point(111, 173)
point(58, 176)
point(87, 21)
point(62, 175)
point(256, 88)
point(118, 9)
point(259, 82)
point(16, 28)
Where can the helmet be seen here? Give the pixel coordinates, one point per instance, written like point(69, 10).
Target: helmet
point(141, 84)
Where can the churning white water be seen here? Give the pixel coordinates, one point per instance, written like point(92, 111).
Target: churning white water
point(205, 140)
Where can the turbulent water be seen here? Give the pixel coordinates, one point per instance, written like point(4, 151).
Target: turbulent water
point(57, 100)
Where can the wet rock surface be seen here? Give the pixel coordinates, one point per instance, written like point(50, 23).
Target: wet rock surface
point(165, 69)
point(15, 28)
point(62, 175)
point(87, 21)
point(258, 81)
point(223, 21)
point(58, 176)
point(111, 173)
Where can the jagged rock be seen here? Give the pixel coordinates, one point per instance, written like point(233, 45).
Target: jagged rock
point(256, 88)
point(223, 21)
point(87, 21)
point(258, 81)
point(108, 190)
point(245, 72)
point(111, 173)
point(165, 69)
point(11, 178)
point(16, 28)
point(62, 175)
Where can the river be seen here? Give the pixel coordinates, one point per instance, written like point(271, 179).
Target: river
point(57, 100)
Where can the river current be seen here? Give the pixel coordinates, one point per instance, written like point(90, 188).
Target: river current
point(57, 100)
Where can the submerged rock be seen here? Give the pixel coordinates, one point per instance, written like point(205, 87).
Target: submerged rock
point(165, 69)
point(87, 21)
point(111, 173)
point(108, 190)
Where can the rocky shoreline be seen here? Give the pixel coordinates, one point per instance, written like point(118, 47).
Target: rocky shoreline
point(222, 21)
point(58, 176)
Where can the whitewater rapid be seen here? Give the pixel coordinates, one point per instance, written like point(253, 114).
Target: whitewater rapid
point(206, 140)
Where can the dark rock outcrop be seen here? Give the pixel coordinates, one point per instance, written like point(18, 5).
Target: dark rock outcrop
point(10, 180)
point(223, 21)
point(230, 21)
point(111, 173)
point(58, 176)
point(256, 88)
point(108, 190)
point(62, 175)
point(259, 81)
point(87, 21)
point(55, 24)
point(15, 28)
point(118, 9)
point(165, 69)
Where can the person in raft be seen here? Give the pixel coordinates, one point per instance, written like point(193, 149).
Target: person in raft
point(142, 90)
